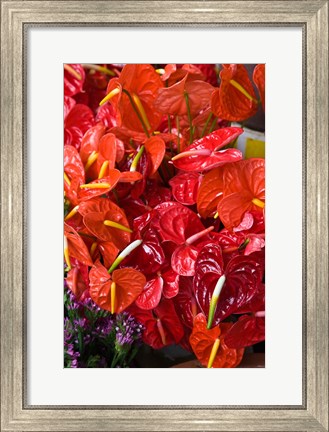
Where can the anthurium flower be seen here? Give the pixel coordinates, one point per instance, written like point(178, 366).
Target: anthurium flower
point(186, 305)
point(155, 148)
point(259, 80)
point(151, 295)
point(74, 77)
point(185, 187)
point(210, 347)
point(161, 325)
point(76, 283)
point(244, 190)
point(138, 85)
point(117, 291)
point(75, 246)
point(106, 221)
point(235, 100)
point(210, 192)
point(78, 118)
point(100, 186)
point(205, 154)
point(247, 331)
point(172, 100)
point(242, 277)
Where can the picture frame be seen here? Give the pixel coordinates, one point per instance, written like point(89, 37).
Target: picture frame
point(312, 17)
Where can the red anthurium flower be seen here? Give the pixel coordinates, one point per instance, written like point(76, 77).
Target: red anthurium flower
point(151, 295)
point(76, 283)
point(210, 192)
point(256, 303)
point(185, 187)
point(244, 190)
point(74, 173)
point(241, 280)
point(117, 291)
point(108, 251)
point(183, 96)
point(247, 331)
point(259, 80)
point(76, 246)
point(90, 141)
point(74, 77)
point(78, 118)
point(162, 325)
point(205, 153)
point(209, 345)
point(149, 257)
point(235, 100)
point(100, 186)
point(170, 284)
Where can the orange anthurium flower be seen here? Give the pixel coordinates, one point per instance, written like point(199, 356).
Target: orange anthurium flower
point(235, 100)
point(259, 80)
point(244, 190)
point(100, 186)
point(155, 147)
point(210, 192)
point(76, 246)
point(106, 221)
point(137, 87)
point(117, 291)
point(172, 100)
point(209, 345)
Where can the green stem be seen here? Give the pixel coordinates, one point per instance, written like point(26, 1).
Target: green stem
point(137, 112)
point(178, 132)
point(213, 124)
point(189, 115)
point(206, 125)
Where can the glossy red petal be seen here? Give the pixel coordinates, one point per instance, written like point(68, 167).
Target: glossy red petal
point(199, 94)
point(73, 84)
point(170, 100)
point(170, 284)
point(76, 283)
point(90, 141)
point(185, 301)
point(247, 331)
point(183, 260)
point(206, 153)
point(77, 123)
point(151, 294)
point(100, 286)
point(232, 208)
point(185, 187)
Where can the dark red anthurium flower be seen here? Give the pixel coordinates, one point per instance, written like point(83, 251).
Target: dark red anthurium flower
point(185, 187)
point(205, 153)
point(247, 331)
point(162, 325)
point(259, 80)
point(210, 192)
point(244, 190)
point(74, 77)
point(243, 275)
point(117, 291)
point(76, 246)
point(235, 100)
point(185, 302)
point(184, 95)
point(209, 345)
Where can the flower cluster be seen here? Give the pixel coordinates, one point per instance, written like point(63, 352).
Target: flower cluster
point(95, 338)
point(164, 217)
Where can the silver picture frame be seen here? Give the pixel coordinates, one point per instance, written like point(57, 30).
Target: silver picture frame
point(16, 17)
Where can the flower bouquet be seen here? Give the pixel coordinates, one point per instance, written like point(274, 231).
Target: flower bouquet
point(164, 214)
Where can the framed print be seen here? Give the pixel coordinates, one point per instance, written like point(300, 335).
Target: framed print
point(291, 392)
